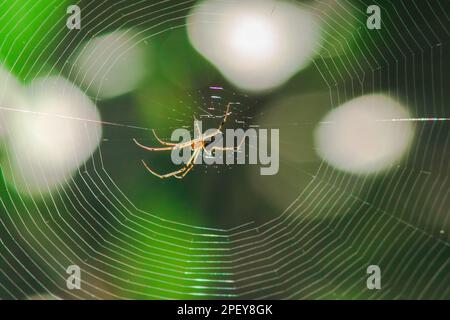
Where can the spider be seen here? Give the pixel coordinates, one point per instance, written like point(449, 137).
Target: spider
point(197, 145)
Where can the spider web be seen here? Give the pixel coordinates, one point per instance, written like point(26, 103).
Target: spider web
point(124, 251)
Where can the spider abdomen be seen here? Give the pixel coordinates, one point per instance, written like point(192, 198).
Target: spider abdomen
point(197, 145)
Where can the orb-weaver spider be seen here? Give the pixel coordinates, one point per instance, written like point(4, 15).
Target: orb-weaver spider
point(197, 145)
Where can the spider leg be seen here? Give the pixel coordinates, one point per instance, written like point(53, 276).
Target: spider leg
point(208, 152)
point(193, 158)
point(162, 141)
point(164, 176)
point(190, 164)
point(225, 117)
point(185, 172)
point(188, 167)
point(228, 148)
point(223, 149)
point(151, 148)
point(176, 146)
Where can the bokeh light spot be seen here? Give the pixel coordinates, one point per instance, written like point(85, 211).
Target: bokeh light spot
point(50, 137)
point(362, 136)
point(112, 64)
point(257, 45)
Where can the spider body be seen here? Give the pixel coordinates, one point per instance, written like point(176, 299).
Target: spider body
point(199, 144)
point(196, 145)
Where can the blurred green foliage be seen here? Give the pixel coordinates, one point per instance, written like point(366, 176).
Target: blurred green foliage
point(30, 33)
